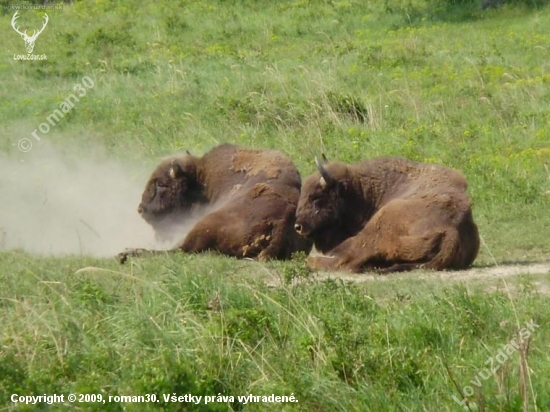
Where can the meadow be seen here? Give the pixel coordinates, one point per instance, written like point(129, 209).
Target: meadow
point(431, 81)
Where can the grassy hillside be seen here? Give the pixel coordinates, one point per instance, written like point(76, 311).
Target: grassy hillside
point(431, 81)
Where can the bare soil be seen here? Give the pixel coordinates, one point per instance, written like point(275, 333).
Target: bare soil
point(488, 276)
point(490, 272)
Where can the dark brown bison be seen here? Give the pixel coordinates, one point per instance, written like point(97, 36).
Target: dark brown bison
point(239, 202)
point(387, 214)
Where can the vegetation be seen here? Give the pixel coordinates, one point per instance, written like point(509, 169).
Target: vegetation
point(439, 82)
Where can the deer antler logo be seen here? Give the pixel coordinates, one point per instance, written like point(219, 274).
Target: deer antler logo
point(29, 40)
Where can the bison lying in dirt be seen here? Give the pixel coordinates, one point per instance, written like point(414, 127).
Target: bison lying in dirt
point(387, 214)
point(240, 202)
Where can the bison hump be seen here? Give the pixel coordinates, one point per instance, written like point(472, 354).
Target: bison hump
point(253, 162)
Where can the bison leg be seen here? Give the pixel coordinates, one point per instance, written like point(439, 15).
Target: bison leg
point(438, 251)
point(357, 265)
point(123, 256)
point(351, 262)
point(387, 254)
point(284, 239)
point(399, 267)
point(221, 231)
point(384, 255)
point(227, 231)
point(395, 239)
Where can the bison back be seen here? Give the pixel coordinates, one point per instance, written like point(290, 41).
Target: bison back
point(228, 165)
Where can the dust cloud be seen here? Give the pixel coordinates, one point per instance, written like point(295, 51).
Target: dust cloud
point(59, 204)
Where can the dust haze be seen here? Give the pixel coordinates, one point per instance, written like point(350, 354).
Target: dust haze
point(60, 204)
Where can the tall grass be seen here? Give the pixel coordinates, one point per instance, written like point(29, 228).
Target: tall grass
point(202, 325)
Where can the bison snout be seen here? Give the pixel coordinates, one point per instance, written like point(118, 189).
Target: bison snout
point(141, 209)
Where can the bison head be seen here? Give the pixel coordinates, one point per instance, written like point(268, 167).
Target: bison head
point(325, 206)
point(171, 195)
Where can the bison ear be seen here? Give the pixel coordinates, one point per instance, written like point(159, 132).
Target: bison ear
point(175, 170)
point(343, 186)
point(322, 182)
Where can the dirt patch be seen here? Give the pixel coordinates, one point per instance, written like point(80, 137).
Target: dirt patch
point(489, 274)
point(492, 272)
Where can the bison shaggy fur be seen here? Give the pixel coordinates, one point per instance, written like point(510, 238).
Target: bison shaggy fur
point(241, 202)
point(388, 214)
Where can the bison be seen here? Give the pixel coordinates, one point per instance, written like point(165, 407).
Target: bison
point(387, 214)
point(239, 202)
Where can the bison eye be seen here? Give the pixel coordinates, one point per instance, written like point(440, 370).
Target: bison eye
point(316, 203)
point(161, 185)
point(315, 197)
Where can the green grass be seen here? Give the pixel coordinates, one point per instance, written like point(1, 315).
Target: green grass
point(209, 325)
point(424, 80)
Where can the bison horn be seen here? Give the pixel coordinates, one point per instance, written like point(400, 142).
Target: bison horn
point(325, 175)
point(175, 169)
